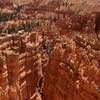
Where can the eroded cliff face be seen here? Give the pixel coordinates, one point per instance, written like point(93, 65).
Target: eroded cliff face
point(49, 52)
point(73, 71)
point(64, 67)
point(19, 67)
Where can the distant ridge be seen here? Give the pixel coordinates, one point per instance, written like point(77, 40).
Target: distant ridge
point(90, 5)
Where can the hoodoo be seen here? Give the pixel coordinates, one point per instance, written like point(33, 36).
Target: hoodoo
point(49, 50)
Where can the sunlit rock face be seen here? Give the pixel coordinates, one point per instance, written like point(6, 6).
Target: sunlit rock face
point(62, 66)
point(19, 70)
point(73, 71)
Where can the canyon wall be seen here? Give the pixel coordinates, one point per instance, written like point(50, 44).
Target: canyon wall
point(73, 71)
point(19, 71)
point(58, 66)
point(48, 52)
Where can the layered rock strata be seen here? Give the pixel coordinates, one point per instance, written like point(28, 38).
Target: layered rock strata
point(19, 69)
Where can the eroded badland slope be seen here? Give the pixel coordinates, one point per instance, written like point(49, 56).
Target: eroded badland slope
point(49, 50)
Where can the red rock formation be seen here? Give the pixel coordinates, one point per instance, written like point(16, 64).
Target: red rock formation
point(13, 73)
point(60, 62)
point(72, 73)
point(18, 66)
point(3, 80)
